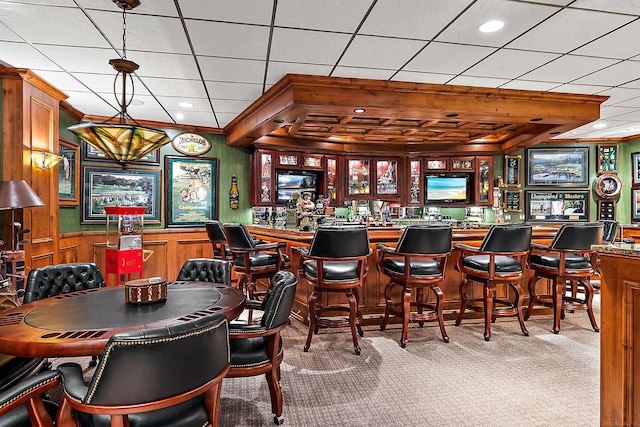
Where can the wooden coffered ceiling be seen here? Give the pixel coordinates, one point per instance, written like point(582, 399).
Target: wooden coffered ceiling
point(320, 112)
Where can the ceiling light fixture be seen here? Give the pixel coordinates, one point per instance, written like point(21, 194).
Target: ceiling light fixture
point(452, 115)
point(185, 104)
point(491, 26)
point(359, 110)
point(124, 140)
point(600, 125)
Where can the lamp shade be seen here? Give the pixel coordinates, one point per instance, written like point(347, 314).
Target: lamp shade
point(17, 194)
point(122, 143)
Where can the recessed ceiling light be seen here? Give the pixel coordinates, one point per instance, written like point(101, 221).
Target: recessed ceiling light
point(359, 110)
point(180, 116)
point(599, 125)
point(555, 132)
point(185, 104)
point(452, 115)
point(491, 26)
point(278, 121)
point(536, 119)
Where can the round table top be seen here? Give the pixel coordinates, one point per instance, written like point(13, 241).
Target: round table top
point(80, 323)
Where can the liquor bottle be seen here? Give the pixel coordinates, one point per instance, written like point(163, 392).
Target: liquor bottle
point(234, 196)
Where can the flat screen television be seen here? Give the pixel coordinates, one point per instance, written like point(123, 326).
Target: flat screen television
point(447, 188)
point(289, 182)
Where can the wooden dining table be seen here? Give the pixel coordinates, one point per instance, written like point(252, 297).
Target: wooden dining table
point(80, 323)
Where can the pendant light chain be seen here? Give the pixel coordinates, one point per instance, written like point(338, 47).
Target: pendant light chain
point(124, 33)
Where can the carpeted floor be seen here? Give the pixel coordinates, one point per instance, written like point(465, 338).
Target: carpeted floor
point(540, 380)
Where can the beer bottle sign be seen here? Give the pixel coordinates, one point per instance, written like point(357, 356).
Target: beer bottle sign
point(234, 196)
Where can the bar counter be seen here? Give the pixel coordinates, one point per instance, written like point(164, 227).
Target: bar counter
point(619, 335)
point(372, 303)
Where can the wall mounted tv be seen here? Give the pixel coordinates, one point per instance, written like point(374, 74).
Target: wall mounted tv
point(447, 188)
point(289, 182)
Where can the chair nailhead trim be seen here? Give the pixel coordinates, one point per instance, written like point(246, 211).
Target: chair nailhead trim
point(29, 390)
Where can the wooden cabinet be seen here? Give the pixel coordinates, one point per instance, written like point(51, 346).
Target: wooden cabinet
point(263, 188)
point(461, 164)
point(358, 178)
point(294, 160)
point(332, 166)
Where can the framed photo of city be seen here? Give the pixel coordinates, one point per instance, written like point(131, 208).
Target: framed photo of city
point(119, 187)
point(558, 167)
point(192, 189)
point(92, 154)
point(69, 174)
point(557, 205)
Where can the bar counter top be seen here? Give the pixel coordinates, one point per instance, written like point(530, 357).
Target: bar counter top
point(622, 249)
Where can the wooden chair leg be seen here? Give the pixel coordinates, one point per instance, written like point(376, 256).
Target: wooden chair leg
point(273, 380)
point(406, 310)
point(518, 304)
point(388, 305)
point(588, 296)
point(311, 306)
point(463, 301)
point(488, 292)
point(419, 303)
point(558, 292)
point(356, 294)
point(533, 297)
point(439, 302)
point(353, 310)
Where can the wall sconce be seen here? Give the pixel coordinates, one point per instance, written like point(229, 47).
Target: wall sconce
point(45, 160)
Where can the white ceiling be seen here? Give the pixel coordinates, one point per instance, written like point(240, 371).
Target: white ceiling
point(221, 55)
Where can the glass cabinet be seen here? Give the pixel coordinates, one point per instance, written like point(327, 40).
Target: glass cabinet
point(359, 180)
point(415, 182)
point(484, 180)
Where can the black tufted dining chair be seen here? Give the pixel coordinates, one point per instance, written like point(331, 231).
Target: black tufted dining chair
point(24, 405)
point(215, 232)
point(52, 280)
point(165, 376)
point(206, 270)
point(500, 259)
point(417, 262)
point(257, 349)
point(568, 262)
point(336, 262)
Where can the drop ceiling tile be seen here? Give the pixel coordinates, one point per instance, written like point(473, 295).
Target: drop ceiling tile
point(62, 81)
point(366, 73)
point(80, 59)
point(171, 103)
point(622, 43)
point(224, 118)
point(619, 94)
point(411, 76)
point(518, 17)
point(447, 58)
point(230, 105)
point(6, 35)
point(575, 88)
point(277, 70)
point(165, 65)
point(76, 30)
point(226, 69)
point(478, 81)
point(175, 87)
point(22, 55)
point(621, 6)
point(203, 118)
point(149, 7)
point(321, 14)
point(293, 46)
point(529, 85)
point(568, 68)
point(228, 40)
point(17, 4)
point(423, 20)
point(378, 52)
point(507, 63)
point(613, 112)
point(614, 75)
point(240, 91)
point(247, 11)
point(559, 33)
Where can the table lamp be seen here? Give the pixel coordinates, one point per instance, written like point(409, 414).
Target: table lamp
point(16, 194)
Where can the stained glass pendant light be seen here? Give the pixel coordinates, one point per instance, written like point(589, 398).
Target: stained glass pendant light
point(120, 137)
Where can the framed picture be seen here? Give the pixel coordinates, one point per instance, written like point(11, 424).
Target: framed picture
point(69, 173)
point(436, 164)
point(90, 153)
point(557, 205)
point(192, 190)
point(120, 187)
point(387, 177)
point(635, 167)
point(513, 201)
point(635, 204)
point(512, 170)
point(607, 158)
point(558, 167)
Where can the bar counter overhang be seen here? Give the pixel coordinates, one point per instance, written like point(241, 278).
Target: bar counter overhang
point(372, 302)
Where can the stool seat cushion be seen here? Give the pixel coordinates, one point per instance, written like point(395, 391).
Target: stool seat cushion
point(572, 262)
point(503, 264)
point(423, 268)
point(260, 259)
point(333, 270)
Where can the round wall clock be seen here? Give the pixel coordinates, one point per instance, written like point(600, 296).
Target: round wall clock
point(191, 144)
point(607, 186)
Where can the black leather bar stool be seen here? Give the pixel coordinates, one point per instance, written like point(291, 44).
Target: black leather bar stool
point(500, 259)
point(418, 262)
point(568, 262)
point(336, 262)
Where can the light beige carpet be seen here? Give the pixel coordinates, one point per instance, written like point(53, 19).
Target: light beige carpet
point(542, 380)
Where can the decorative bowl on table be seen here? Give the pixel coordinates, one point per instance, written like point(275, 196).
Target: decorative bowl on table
point(145, 291)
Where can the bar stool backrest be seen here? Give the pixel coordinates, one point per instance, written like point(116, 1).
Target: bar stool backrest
point(578, 236)
point(340, 242)
point(425, 239)
point(507, 238)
